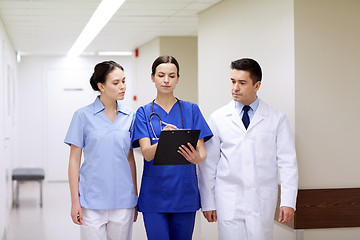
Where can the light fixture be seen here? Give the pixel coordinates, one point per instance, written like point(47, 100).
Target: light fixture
point(103, 53)
point(98, 20)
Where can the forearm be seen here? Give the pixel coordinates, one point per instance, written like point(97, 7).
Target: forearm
point(73, 173)
point(132, 165)
point(147, 150)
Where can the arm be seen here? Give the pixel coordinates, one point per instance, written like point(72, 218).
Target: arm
point(148, 150)
point(73, 172)
point(207, 175)
point(132, 165)
point(287, 164)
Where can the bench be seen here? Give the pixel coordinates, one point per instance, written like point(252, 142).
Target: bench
point(27, 174)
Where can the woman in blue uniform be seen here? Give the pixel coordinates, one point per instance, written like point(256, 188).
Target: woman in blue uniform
point(169, 195)
point(103, 190)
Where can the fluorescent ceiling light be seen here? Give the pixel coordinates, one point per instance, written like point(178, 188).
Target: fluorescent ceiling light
point(114, 53)
point(98, 20)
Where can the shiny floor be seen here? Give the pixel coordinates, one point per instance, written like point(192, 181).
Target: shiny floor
point(52, 221)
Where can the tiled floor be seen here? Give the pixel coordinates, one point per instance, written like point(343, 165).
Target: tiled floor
point(52, 222)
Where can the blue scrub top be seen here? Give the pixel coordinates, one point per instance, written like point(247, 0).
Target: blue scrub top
point(105, 177)
point(169, 188)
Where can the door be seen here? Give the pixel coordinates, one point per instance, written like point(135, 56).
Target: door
point(67, 90)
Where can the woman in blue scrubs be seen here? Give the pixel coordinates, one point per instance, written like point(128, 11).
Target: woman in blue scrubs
point(103, 190)
point(169, 195)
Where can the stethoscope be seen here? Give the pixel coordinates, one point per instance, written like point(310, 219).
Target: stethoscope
point(154, 114)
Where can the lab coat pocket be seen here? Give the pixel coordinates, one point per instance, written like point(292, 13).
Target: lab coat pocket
point(225, 197)
point(268, 203)
point(266, 145)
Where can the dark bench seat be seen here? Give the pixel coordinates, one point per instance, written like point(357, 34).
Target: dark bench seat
point(27, 174)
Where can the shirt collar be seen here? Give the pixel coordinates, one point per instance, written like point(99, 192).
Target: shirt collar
point(254, 105)
point(99, 107)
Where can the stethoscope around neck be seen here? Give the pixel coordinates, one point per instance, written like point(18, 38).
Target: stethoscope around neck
point(154, 114)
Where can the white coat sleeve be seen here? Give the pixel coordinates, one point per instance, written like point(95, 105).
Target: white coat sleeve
point(287, 164)
point(207, 170)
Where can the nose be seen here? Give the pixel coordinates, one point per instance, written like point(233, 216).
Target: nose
point(166, 79)
point(236, 87)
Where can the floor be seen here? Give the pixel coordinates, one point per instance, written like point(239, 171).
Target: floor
point(52, 221)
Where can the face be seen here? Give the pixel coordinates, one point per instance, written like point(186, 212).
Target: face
point(114, 86)
point(165, 78)
point(243, 90)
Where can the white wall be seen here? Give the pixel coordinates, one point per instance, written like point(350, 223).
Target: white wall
point(32, 101)
point(143, 86)
point(258, 29)
point(184, 49)
point(8, 77)
point(327, 36)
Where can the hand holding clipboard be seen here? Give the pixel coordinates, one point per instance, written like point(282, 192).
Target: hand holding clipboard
point(169, 143)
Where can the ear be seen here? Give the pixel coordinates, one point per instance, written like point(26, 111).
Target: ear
point(101, 87)
point(152, 78)
point(257, 85)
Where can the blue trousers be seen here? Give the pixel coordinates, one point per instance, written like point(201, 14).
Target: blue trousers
point(169, 226)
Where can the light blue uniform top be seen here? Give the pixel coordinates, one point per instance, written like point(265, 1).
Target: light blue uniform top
point(105, 177)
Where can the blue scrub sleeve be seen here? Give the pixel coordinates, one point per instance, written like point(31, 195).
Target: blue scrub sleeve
point(140, 127)
point(199, 122)
point(75, 133)
point(132, 130)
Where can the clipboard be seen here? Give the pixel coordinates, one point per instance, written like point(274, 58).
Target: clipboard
point(169, 142)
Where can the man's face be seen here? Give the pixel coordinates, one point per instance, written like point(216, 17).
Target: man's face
point(243, 90)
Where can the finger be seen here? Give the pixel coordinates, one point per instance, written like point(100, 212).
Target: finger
point(215, 216)
point(186, 149)
point(191, 147)
point(281, 216)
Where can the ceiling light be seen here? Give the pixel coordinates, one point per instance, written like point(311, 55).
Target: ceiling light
point(98, 20)
point(114, 53)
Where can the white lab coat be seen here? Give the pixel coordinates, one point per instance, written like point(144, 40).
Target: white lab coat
point(240, 173)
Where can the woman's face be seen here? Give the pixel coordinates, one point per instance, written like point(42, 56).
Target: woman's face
point(165, 78)
point(114, 86)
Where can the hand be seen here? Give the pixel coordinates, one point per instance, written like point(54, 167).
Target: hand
point(76, 213)
point(190, 153)
point(286, 214)
point(210, 215)
point(136, 214)
point(170, 127)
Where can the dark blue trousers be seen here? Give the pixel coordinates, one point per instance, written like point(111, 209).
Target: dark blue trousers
point(169, 226)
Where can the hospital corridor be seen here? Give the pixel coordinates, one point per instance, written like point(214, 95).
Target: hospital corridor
point(58, 109)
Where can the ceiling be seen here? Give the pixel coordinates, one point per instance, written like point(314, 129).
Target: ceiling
point(50, 27)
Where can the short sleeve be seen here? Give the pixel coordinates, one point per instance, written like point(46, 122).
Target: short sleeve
point(140, 127)
point(200, 123)
point(75, 133)
point(132, 130)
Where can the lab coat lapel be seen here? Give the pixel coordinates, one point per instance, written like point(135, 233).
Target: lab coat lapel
point(235, 116)
point(258, 116)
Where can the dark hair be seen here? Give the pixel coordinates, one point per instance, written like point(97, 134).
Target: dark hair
point(100, 72)
point(164, 59)
point(250, 65)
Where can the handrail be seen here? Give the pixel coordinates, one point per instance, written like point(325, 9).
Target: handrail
point(326, 208)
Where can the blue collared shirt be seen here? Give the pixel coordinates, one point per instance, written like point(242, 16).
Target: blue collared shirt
point(105, 177)
point(253, 107)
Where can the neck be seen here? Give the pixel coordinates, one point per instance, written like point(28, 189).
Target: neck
point(165, 100)
point(109, 104)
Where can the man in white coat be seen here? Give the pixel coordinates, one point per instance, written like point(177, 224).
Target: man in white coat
point(252, 143)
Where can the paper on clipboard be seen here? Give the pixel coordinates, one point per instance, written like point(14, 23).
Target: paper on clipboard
point(169, 142)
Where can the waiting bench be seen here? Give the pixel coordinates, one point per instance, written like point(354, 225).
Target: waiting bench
point(27, 174)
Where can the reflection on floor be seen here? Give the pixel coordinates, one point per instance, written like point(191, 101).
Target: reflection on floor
point(52, 222)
